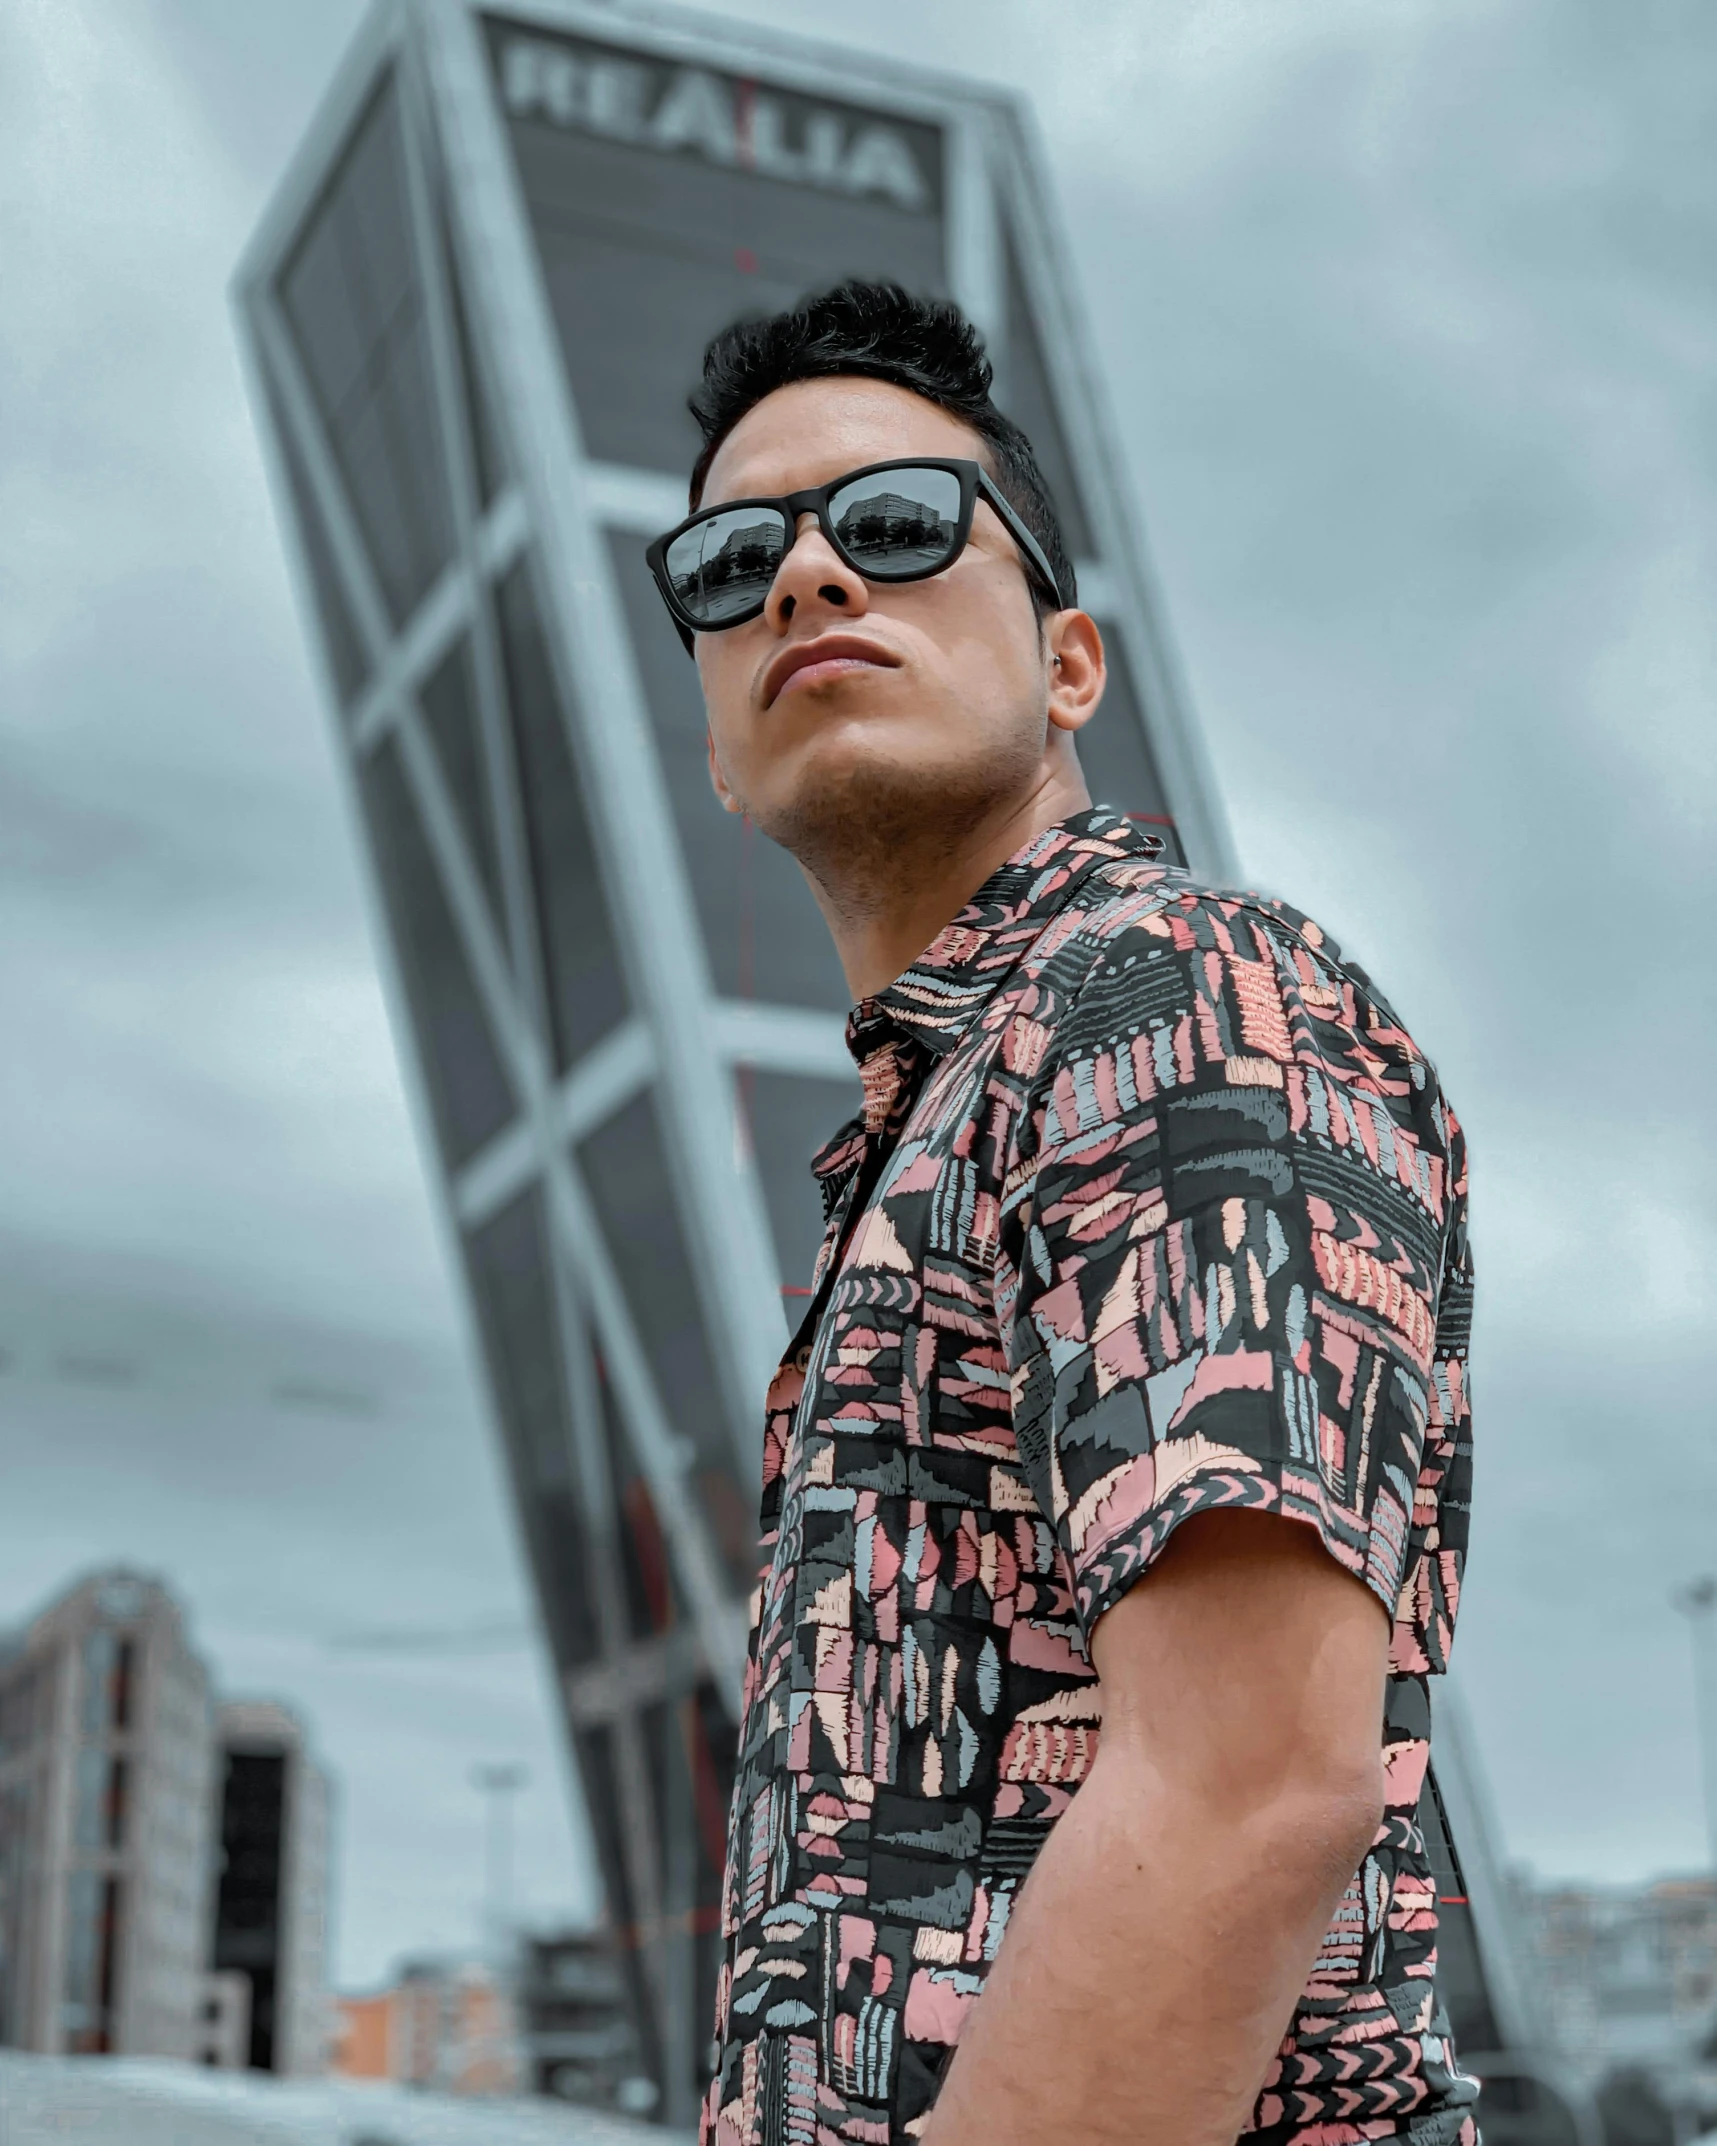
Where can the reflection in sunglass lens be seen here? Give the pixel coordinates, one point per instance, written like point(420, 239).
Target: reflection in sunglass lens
point(897, 522)
point(722, 566)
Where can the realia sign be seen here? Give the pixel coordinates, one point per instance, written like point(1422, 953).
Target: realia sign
point(722, 118)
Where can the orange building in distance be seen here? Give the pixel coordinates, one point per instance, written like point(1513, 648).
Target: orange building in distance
point(448, 2025)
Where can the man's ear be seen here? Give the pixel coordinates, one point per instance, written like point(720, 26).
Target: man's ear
point(717, 780)
point(1077, 673)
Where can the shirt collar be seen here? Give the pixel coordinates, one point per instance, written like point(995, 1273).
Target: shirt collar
point(927, 1009)
point(937, 999)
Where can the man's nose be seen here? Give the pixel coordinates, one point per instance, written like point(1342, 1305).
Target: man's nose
point(814, 574)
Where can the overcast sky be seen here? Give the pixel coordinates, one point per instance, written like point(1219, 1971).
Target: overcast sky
point(1408, 314)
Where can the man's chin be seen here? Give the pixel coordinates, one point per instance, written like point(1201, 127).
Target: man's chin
point(855, 703)
point(867, 746)
point(857, 765)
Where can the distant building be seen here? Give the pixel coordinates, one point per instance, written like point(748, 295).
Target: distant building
point(449, 2025)
point(163, 1868)
point(578, 2038)
point(364, 2039)
point(1627, 1975)
point(106, 1756)
point(271, 1899)
point(558, 2027)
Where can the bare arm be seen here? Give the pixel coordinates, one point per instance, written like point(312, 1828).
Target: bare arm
point(1159, 1948)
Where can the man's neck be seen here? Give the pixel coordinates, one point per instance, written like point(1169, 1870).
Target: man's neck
point(884, 914)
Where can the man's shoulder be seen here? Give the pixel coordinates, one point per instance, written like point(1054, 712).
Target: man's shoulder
point(1170, 905)
point(1155, 937)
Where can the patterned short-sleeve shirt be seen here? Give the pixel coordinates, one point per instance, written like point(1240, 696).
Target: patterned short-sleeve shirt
point(1153, 1207)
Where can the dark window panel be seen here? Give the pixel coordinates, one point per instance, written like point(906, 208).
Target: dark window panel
point(468, 1089)
point(706, 1916)
point(626, 1168)
point(248, 1931)
point(720, 1743)
point(92, 1963)
point(715, 1748)
point(482, 430)
point(512, 1278)
point(352, 271)
point(764, 934)
point(557, 1535)
point(789, 1118)
point(631, 381)
point(606, 1808)
point(340, 637)
point(411, 426)
point(587, 992)
point(1116, 755)
point(354, 301)
point(668, 1731)
point(20, 1884)
point(508, 1262)
point(89, 1827)
point(386, 442)
point(603, 1806)
point(704, 1749)
point(652, 1600)
point(731, 1510)
point(666, 1772)
point(113, 1892)
point(1031, 403)
point(332, 328)
point(381, 493)
point(124, 1676)
point(646, 256)
point(117, 1810)
point(377, 232)
point(18, 1713)
point(100, 1656)
point(449, 701)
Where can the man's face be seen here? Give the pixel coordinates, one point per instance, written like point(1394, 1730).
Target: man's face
point(918, 697)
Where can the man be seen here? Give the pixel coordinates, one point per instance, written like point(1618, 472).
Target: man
point(1131, 1393)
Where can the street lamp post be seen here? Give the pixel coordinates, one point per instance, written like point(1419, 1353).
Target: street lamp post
point(1697, 1602)
point(499, 1785)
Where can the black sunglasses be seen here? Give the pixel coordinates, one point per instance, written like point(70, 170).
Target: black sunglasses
point(890, 521)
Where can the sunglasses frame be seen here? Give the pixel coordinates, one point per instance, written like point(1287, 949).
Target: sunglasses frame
point(975, 484)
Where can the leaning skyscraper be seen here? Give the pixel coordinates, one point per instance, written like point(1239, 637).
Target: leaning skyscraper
point(473, 312)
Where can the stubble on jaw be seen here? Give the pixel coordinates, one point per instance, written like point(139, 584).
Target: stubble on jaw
point(867, 834)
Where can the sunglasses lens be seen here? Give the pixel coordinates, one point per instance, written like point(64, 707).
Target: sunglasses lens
point(721, 567)
point(894, 523)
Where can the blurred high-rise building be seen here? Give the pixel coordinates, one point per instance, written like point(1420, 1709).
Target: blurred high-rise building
point(106, 1761)
point(163, 1861)
point(473, 311)
point(270, 1910)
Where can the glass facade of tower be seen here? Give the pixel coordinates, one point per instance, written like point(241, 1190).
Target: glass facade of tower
point(473, 315)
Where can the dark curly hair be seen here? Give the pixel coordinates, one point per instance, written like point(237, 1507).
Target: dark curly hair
point(881, 332)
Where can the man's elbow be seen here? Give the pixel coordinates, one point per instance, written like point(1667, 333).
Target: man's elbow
point(1296, 1816)
point(1317, 1830)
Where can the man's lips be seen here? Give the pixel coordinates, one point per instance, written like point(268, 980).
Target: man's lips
point(812, 662)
